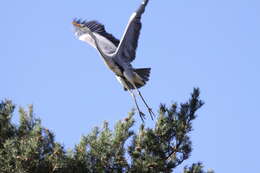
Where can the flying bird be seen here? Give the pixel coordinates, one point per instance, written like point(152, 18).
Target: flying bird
point(118, 55)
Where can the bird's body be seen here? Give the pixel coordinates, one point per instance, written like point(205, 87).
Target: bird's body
point(118, 55)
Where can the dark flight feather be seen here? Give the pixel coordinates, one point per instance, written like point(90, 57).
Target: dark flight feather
point(98, 28)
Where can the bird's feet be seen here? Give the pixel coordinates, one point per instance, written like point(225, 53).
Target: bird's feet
point(151, 112)
point(142, 115)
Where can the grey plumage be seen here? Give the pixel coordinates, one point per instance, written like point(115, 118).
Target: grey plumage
point(97, 27)
point(116, 54)
point(144, 73)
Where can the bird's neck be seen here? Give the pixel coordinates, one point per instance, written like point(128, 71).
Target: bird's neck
point(103, 54)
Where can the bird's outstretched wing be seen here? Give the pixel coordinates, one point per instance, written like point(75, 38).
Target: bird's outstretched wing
point(99, 28)
point(107, 42)
point(128, 44)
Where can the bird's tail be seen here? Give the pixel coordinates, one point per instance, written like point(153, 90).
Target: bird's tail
point(144, 73)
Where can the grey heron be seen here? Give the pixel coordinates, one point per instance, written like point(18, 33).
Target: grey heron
point(118, 55)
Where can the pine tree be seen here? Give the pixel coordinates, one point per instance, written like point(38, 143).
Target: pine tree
point(31, 148)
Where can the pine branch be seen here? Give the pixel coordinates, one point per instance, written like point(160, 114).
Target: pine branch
point(30, 147)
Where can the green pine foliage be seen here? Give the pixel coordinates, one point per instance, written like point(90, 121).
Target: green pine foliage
point(31, 148)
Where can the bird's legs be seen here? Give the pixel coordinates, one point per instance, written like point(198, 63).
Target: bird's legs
point(149, 109)
point(122, 81)
point(141, 114)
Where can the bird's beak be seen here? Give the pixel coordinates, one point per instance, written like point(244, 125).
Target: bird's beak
point(75, 24)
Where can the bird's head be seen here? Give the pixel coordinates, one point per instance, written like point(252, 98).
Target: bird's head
point(80, 27)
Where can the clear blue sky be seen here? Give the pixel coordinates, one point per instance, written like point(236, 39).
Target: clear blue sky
point(214, 45)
